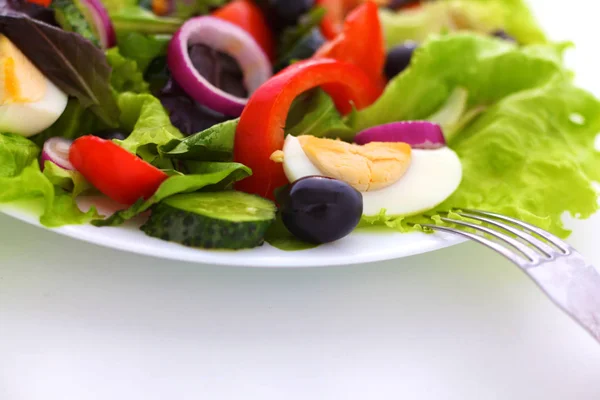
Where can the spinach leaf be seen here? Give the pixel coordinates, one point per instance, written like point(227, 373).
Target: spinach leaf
point(213, 144)
point(126, 76)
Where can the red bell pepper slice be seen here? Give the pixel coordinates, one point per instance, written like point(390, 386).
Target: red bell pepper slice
point(114, 171)
point(43, 3)
point(361, 43)
point(337, 10)
point(332, 22)
point(249, 17)
point(260, 130)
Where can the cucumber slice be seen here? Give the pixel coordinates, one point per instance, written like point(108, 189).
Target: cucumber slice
point(220, 220)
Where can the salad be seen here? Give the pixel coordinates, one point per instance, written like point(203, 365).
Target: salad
point(230, 123)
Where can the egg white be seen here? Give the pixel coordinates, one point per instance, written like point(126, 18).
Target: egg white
point(432, 177)
point(27, 119)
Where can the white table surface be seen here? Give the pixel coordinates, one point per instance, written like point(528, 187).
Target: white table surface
point(82, 322)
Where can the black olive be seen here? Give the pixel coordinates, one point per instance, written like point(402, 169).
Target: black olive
point(110, 134)
point(288, 12)
point(398, 59)
point(320, 210)
point(502, 34)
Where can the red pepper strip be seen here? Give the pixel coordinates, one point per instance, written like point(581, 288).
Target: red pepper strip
point(44, 3)
point(332, 22)
point(114, 171)
point(361, 43)
point(337, 10)
point(247, 15)
point(260, 130)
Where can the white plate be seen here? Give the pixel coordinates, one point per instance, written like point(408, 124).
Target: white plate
point(360, 247)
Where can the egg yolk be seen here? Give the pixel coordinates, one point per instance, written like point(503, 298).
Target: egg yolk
point(369, 167)
point(20, 80)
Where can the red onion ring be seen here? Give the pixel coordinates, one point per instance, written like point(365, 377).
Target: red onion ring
point(102, 22)
point(225, 37)
point(56, 149)
point(418, 134)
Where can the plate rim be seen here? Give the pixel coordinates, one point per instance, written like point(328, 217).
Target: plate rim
point(287, 260)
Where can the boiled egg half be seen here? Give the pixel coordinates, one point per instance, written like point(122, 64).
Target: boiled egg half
point(29, 102)
point(391, 176)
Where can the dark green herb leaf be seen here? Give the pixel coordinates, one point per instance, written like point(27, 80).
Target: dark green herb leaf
point(213, 144)
point(294, 35)
point(315, 114)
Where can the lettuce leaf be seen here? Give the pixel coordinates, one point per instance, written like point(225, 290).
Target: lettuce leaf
point(483, 16)
point(131, 16)
point(530, 154)
point(125, 76)
point(489, 69)
point(21, 179)
point(148, 122)
point(70, 181)
point(207, 176)
point(16, 153)
point(142, 48)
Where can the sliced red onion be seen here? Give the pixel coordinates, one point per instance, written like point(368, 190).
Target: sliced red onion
point(56, 149)
point(96, 11)
point(418, 134)
point(227, 38)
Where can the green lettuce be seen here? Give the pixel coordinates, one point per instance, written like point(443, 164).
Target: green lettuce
point(144, 116)
point(142, 48)
point(529, 154)
point(21, 179)
point(130, 16)
point(125, 76)
point(483, 16)
point(489, 69)
point(208, 176)
point(70, 181)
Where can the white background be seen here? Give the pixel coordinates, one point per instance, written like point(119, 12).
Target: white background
point(82, 322)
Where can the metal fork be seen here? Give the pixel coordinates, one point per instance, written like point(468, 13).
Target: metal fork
point(561, 272)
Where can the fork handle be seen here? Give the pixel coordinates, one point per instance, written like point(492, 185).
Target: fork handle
point(573, 284)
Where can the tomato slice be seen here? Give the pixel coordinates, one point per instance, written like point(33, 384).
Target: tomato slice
point(260, 130)
point(248, 16)
point(361, 43)
point(114, 171)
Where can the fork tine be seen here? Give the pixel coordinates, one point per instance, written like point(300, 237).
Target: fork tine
point(532, 255)
point(538, 244)
point(512, 256)
point(560, 244)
